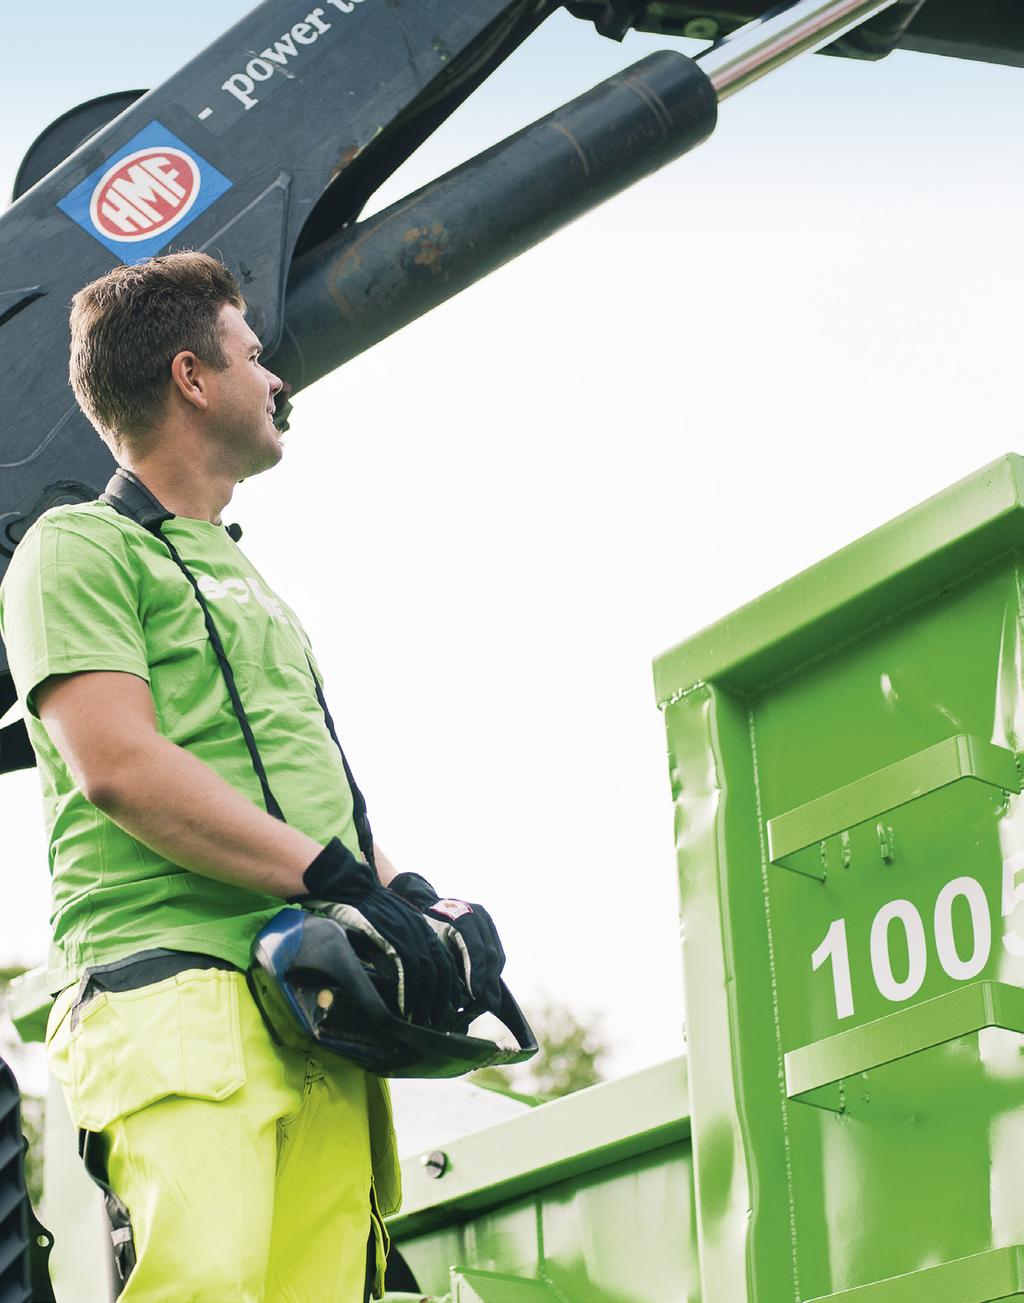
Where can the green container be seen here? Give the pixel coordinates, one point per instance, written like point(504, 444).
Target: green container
point(851, 855)
point(589, 1198)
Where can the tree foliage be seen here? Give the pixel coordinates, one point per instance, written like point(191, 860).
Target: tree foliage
point(571, 1053)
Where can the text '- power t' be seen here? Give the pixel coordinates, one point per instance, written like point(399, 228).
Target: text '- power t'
point(286, 50)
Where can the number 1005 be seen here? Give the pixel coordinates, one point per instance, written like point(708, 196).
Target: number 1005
point(904, 914)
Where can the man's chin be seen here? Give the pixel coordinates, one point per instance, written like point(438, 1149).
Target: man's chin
point(267, 462)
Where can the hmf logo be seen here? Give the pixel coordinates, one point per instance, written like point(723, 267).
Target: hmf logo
point(143, 196)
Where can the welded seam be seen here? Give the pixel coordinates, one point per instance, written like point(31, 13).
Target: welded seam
point(776, 1021)
point(681, 694)
point(542, 1267)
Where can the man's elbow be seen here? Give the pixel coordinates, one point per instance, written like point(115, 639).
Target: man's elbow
point(112, 784)
point(103, 790)
point(103, 725)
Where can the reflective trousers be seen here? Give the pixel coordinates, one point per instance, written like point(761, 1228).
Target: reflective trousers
point(244, 1166)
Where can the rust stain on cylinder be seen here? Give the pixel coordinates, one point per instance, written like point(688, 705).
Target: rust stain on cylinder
point(430, 253)
point(348, 258)
point(575, 144)
point(652, 99)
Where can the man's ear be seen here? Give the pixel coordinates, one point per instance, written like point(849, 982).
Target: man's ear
point(188, 375)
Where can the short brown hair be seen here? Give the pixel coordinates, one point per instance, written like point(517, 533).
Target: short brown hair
point(129, 325)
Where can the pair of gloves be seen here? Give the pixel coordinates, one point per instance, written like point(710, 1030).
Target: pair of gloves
point(435, 942)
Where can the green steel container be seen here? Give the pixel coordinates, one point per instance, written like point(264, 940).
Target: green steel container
point(851, 850)
point(587, 1198)
point(851, 859)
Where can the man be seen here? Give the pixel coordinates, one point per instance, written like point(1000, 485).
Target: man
point(234, 1169)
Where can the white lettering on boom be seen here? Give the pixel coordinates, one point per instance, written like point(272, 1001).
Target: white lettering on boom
point(288, 47)
point(282, 51)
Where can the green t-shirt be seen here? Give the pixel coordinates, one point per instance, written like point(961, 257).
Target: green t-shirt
point(88, 589)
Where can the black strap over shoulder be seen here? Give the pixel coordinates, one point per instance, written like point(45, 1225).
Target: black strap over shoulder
point(127, 494)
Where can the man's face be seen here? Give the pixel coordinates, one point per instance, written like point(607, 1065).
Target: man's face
point(241, 411)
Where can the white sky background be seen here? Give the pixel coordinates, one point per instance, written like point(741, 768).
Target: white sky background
point(492, 522)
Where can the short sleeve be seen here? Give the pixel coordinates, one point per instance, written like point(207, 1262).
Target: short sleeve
point(70, 602)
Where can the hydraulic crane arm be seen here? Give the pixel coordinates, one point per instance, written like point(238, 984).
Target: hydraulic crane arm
point(989, 30)
point(274, 135)
point(265, 148)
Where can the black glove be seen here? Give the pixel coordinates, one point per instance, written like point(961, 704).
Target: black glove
point(426, 973)
point(467, 928)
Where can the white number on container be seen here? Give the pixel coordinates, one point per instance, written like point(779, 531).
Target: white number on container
point(1013, 898)
point(881, 958)
point(834, 947)
point(905, 914)
point(962, 970)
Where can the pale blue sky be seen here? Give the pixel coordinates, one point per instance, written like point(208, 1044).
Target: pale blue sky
point(719, 377)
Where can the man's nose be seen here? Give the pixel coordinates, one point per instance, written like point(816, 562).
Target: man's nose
point(276, 383)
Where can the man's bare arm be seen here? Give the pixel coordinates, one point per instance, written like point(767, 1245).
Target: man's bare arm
point(103, 723)
point(385, 869)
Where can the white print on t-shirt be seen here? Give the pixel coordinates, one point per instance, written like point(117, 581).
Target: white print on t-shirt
point(241, 590)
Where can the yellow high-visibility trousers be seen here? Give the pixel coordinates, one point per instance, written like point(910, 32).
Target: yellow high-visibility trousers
point(245, 1166)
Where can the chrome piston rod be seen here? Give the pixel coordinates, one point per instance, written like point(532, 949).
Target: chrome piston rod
point(766, 43)
point(369, 280)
